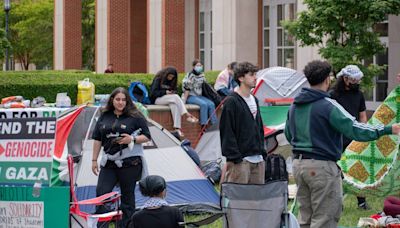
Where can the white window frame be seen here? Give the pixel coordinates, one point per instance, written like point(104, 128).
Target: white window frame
point(273, 32)
point(374, 104)
point(205, 7)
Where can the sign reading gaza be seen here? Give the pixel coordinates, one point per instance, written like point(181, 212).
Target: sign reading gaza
point(26, 150)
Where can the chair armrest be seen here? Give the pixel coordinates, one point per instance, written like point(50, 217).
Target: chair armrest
point(109, 197)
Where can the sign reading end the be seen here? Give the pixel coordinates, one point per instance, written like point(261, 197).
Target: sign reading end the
point(26, 150)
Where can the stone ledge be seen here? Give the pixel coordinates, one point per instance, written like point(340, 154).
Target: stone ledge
point(152, 108)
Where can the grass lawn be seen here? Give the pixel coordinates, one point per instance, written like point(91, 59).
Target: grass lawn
point(349, 218)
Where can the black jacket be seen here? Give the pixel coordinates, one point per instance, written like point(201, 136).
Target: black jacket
point(241, 134)
point(165, 216)
point(158, 90)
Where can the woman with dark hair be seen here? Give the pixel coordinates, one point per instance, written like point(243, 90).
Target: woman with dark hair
point(120, 130)
point(193, 93)
point(163, 92)
point(156, 212)
point(225, 84)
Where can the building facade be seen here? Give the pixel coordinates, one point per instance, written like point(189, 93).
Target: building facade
point(146, 35)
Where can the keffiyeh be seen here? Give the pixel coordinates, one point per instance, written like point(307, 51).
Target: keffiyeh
point(351, 71)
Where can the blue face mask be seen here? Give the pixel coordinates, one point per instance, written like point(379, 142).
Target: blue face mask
point(198, 69)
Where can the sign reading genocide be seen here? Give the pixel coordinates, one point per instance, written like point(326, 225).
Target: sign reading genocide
point(26, 150)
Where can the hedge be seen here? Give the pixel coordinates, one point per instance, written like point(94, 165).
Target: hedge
point(47, 84)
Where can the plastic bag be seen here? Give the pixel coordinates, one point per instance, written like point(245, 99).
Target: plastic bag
point(85, 92)
point(62, 100)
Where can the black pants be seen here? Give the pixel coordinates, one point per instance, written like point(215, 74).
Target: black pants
point(126, 177)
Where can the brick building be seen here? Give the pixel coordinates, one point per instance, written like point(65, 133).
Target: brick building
point(145, 35)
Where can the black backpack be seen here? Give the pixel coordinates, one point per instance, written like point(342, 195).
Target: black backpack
point(275, 168)
point(212, 170)
point(209, 92)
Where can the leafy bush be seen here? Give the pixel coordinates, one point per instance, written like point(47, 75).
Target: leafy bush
point(47, 84)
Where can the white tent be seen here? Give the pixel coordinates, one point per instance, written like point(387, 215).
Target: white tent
point(186, 184)
point(278, 83)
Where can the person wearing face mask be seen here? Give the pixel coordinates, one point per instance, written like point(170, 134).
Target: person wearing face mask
point(315, 126)
point(225, 84)
point(347, 93)
point(192, 93)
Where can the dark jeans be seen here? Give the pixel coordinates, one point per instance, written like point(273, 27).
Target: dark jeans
point(126, 177)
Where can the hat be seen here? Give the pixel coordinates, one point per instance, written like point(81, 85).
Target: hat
point(351, 71)
point(152, 185)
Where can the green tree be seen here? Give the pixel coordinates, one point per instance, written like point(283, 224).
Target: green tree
point(31, 32)
point(4, 43)
point(344, 31)
point(88, 30)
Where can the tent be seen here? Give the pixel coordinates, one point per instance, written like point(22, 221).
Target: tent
point(278, 84)
point(186, 183)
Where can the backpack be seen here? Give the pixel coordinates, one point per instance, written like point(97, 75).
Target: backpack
point(275, 168)
point(212, 171)
point(209, 92)
point(138, 92)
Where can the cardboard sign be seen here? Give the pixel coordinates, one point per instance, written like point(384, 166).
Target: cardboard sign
point(21, 214)
point(25, 206)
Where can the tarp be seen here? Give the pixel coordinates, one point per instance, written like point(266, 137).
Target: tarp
point(372, 168)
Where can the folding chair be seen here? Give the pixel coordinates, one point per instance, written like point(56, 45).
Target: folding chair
point(243, 208)
point(74, 210)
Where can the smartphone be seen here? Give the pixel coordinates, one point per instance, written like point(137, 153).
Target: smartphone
point(119, 138)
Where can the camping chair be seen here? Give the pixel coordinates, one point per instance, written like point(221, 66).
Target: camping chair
point(245, 209)
point(74, 210)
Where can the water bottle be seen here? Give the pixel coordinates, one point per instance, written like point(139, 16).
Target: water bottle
point(289, 162)
point(37, 187)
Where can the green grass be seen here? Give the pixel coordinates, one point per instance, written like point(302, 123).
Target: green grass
point(349, 217)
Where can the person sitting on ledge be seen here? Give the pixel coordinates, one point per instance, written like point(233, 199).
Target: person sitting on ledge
point(164, 92)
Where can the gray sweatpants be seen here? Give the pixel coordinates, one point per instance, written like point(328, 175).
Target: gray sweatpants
point(319, 193)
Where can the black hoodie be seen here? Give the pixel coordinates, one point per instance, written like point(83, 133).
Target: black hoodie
point(241, 134)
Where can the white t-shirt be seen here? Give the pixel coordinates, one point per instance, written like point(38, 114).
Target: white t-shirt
point(251, 103)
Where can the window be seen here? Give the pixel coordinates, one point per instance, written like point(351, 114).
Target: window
point(378, 93)
point(278, 45)
point(205, 33)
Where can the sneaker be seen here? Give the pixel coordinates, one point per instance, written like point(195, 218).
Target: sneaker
point(180, 133)
point(363, 206)
point(192, 119)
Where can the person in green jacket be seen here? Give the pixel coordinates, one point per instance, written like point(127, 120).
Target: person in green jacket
point(315, 127)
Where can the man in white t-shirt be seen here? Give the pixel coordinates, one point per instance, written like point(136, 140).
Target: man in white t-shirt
point(241, 131)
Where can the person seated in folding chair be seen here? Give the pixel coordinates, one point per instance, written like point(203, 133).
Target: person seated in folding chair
point(120, 130)
point(156, 212)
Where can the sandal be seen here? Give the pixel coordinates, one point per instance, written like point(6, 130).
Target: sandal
point(192, 119)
